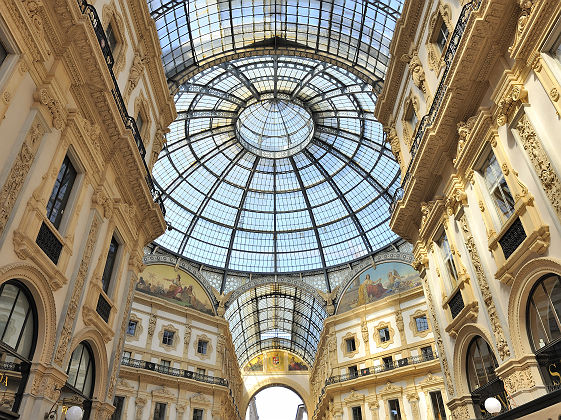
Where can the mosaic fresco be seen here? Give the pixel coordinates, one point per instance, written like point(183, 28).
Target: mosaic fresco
point(175, 286)
point(377, 283)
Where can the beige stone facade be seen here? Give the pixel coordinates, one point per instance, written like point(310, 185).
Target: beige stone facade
point(480, 184)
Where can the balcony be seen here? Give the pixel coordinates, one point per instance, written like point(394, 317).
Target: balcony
point(167, 370)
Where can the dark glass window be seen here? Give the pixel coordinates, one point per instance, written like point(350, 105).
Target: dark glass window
point(544, 311)
point(61, 192)
point(17, 319)
point(111, 38)
point(351, 345)
point(118, 402)
point(422, 323)
point(197, 414)
point(387, 361)
point(448, 259)
point(357, 413)
point(201, 371)
point(442, 36)
point(160, 411)
point(481, 363)
point(384, 334)
point(395, 412)
point(438, 409)
point(497, 187)
point(81, 369)
point(131, 329)
point(202, 346)
point(3, 53)
point(411, 116)
point(127, 355)
point(426, 353)
point(353, 371)
point(166, 363)
point(139, 122)
point(109, 264)
point(167, 337)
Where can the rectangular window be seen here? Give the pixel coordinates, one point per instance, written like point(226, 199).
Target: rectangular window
point(395, 412)
point(357, 413)
point(3, 53)
point(61, 192)
point(387, 361)
point(139, 122)
point(202, 346)
point(197, 414)
point(160, 411)
point(448, 258)
point(426, 353)
point(111, 38)
point(109, 264)
point(384, 334)
point(167, 338)
point(497, 187)
point(118, 402)
point(165, 363)
point(442, 37)
point(201, 371)
point(438, 405)
point(422, 323)
point(127, 355)
point(353, 371)
point(131, 329)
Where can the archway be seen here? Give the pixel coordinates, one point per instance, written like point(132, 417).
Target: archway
point(276, 402)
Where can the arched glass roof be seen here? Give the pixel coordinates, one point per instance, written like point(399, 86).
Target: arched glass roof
point(307, 208)
point(194, 33)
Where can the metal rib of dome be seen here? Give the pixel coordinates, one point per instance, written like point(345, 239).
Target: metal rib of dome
point(318, 207)
point(193, 34)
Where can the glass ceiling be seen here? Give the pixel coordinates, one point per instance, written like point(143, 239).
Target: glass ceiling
point(194, 33)
point(321, 206)
point(276, 316)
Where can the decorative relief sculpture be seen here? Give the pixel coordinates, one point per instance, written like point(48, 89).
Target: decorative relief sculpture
point(542, 164)
point(137, 67)
point(72, 310)
point(502, 345)
point(417, 71)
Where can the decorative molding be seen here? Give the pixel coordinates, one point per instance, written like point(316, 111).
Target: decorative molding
point(111, 15)
point(354, 397)
point(175, 341)
point(348, 336)
point(413, 323)
point(208, 346)
point(151, 325)
point(77, 291)
point(138, 330)
point(435, 56)
point(377, 328)
point(502, 345)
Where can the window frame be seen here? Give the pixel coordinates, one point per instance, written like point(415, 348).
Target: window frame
point(198, 413)
point(350, 344)
point(425, 324)
point(13, 53)
point(387, 335)
point(166, 337)
point(135, 323)
point(391, 416)
point(441, 404)
point(202, 344)
point(447, 256)
point(158, 406)
point(62, 214)
point(356, 412)
point(111, 278)
point(85, 346)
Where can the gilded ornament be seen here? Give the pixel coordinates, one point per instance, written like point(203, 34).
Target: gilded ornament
point(554, 94)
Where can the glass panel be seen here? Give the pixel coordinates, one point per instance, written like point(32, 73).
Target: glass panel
point(61, 192)
point(395, 412)
point(442, 37)
point(438, 409)
point(481, 363)
point(109, 264)
point(118, 402)
point(111, 38)
point(16, 320)
point(80, 370)
point(544, 310)
point(498, 188)
point(422, 323)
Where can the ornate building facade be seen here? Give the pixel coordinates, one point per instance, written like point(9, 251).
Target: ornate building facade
point(471, 110)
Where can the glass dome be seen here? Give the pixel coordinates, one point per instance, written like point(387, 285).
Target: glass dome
point(276, 164)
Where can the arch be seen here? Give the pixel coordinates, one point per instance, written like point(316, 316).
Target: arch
point(40, 289)
point(93, 337)
point(465, 336)
point(283, 381)
point(522, 285)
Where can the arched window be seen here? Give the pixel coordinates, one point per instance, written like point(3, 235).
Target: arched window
point(544, 311)
point(81, 370)
point(17, 319)
point(482, 380)
point(543, 317)
point(18, 336)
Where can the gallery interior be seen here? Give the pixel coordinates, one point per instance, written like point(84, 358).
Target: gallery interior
point(356, 200)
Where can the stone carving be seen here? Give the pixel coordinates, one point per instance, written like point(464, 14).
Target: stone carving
point(519, 380)
point(137, 67)
point(399, 321)
point(18, 173)
point(526, 10)
point(364, 330)
point(460, 413)
point(53, 106)
point(72, 310)
point(464, 131)
point(438, 339)
point(502, 345)
point(186, 338)
point(413, 399)
point(140, 403)
point(151, 325)
point(393, 138)
point(416, 69)
point(329, 298)
point(221, 298)
point(542, 164)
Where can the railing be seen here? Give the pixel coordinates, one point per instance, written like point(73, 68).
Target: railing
point(103, 308)
point(10, 367)
point(512, 238)
point(168, 370)
point(49, 243)
point(396, 364)
point(456, 304)
point(429, 118)
point(128, 121)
